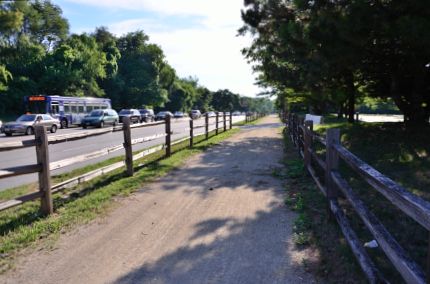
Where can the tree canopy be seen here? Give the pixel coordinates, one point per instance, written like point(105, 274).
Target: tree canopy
point(327, 53)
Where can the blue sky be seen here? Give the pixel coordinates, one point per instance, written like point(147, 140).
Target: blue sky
point(198, 37)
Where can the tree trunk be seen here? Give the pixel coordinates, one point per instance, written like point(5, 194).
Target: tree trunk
point(351, 97)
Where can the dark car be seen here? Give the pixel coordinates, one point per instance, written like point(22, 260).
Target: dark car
point(162, 115)
point(25, 124)
point(131, 113)
point(147, 115)
point(100, 118)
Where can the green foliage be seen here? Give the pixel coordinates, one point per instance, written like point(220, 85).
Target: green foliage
point(332, 52)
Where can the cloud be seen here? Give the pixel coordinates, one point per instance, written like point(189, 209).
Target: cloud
point(210, 50)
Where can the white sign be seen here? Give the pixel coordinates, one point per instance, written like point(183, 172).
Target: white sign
point(316, 119)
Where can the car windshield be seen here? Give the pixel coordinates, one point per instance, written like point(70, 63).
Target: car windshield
point(96, 113)
point(26, 117)
point(144, 111)
point(125, 111)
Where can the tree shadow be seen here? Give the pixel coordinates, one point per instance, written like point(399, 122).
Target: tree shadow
point(229, 250)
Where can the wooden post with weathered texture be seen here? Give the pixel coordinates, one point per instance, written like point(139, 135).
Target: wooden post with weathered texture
point(42, 155)
point(207, 125)
point(356, 116)
point(127, 145)
point(231, 120)
point(168, 137)
point(216, 123)
point(307, 142)
point(225, 122)
point(191, 133)
point(332, 164)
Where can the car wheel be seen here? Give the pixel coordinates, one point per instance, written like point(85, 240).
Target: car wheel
point(53, 128)
point(29, 131)
point(8, 134)
point(114, 123)
point(64, 124)
point(102, 124)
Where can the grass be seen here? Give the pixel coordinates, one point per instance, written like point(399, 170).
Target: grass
point(24, 226)
point(402, 155)
point(334, 262)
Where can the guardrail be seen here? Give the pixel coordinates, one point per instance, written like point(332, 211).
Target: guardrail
point(44, 167)
point(334, 186)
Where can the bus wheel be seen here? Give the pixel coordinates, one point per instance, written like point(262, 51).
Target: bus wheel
point(64, 124)
point(29, 131)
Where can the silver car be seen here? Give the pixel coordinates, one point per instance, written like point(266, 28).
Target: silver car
point(25, 124)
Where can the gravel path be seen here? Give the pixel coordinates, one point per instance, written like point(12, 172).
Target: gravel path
point(218, 219)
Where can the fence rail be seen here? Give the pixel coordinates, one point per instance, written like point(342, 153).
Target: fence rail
point(334, 186)
point(44, 167)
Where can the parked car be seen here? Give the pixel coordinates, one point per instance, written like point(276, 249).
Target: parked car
point(100, 118)
point(179, 114)
point(1, 126)
point(236, 113)
point(195, 113)
point(147, 115)
point(25, 124)
point(131, 113)
point(162, 115)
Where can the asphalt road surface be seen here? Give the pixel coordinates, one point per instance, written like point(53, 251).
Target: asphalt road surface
point(70, 149)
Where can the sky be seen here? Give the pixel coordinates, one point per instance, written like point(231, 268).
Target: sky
point(198, 37)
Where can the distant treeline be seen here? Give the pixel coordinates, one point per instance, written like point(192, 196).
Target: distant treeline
point(40, 56)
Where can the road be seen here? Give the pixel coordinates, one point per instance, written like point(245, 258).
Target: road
point(69, 149)
point(220, 218)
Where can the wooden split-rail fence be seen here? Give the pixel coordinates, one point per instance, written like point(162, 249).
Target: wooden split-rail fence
point(44, 167)
point(334, 186)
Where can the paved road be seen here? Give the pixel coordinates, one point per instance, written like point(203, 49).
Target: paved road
point(221, 218)
point(73, 148)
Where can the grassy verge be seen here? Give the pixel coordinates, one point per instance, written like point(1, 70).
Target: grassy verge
point(23, 226)
point(334, 262)
point(401, 154)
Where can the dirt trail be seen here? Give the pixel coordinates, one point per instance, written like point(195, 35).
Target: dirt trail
point(218, 219)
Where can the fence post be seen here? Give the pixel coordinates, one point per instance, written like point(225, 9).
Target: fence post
point(308, 142)
point(332, 164)
point(216, 123)
point(300, 134)
point(168, 137)
point(42, 155)
point(207, 125)
point(231, 120)
point(127, 145)
point(191, 133)
point(356, 116)
point(225, 122)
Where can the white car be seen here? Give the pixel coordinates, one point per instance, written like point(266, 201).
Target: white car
point(1, 126)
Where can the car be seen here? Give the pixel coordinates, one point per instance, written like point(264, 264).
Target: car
point(25, 124)
point(162, 115)
point(179, 114)
point(195, 113)
point(100, 118)
point(1, 126)
point(211, 114)
point(236, 113)
point(131, 113)
point(147, 115)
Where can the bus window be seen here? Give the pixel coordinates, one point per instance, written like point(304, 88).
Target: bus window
point(104, 107)
point(89, 109)
point(54, 109)
point(66, 108)
point(81, 109)
point(74, 109)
